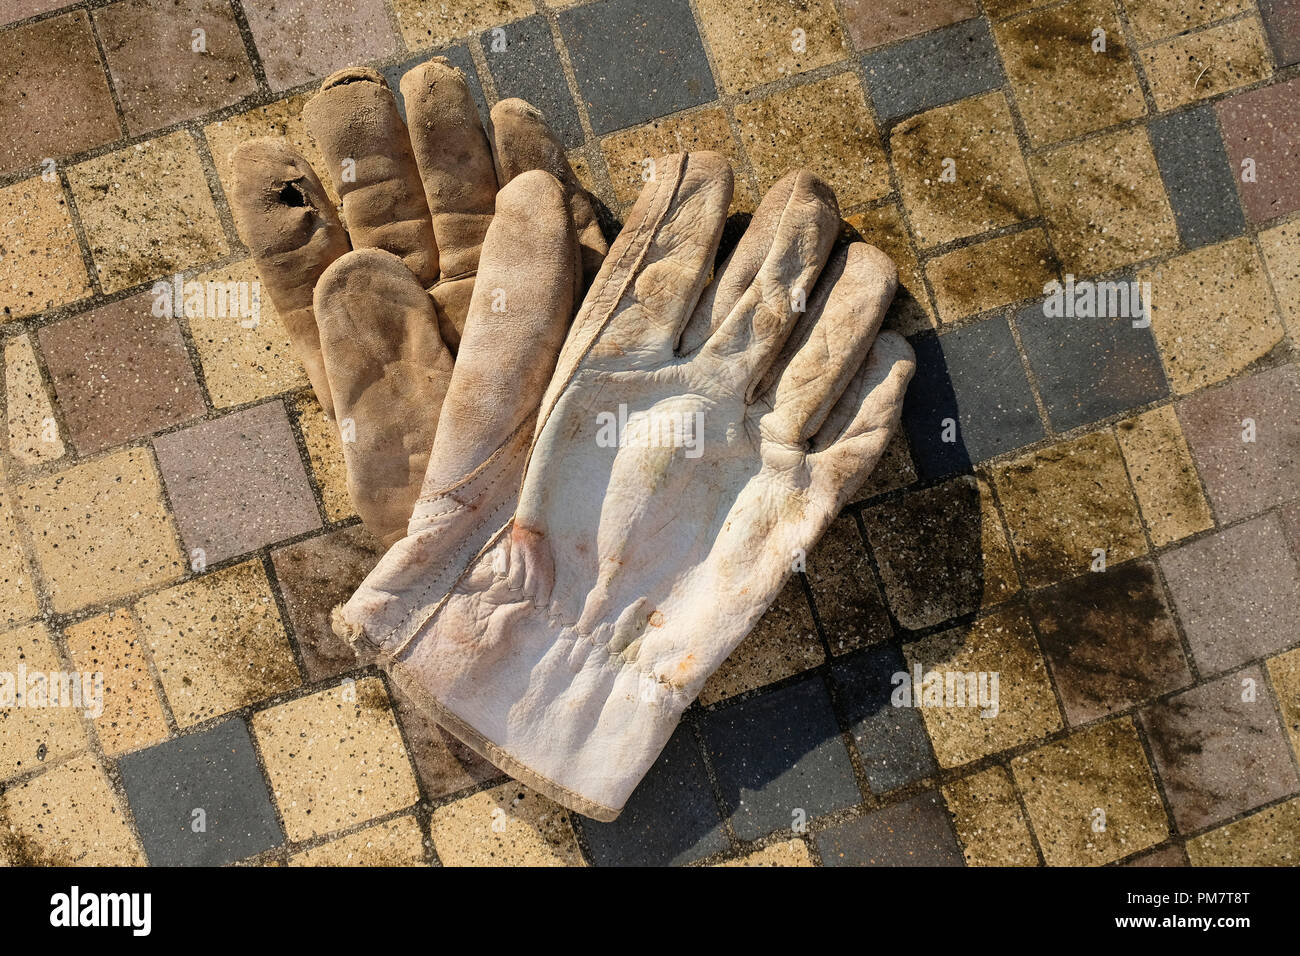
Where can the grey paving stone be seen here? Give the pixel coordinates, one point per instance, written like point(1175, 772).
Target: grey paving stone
point(948, 64)
point(529, 68)
point(1198, 179)
point(916, 832)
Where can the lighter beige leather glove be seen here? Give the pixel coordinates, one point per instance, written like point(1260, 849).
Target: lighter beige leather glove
point(378, 348)
point(696, 439)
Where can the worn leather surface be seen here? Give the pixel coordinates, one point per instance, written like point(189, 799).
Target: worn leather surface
point(752, 405)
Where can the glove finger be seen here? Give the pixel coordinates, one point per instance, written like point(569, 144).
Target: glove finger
point(287, 221)
point(830, 342)
point(451, 300)
point(518, 317)
point(389, 372)
point(860, 424)
point(750, 338)
point(354, 120)
point(522, 140)
point(455, 163)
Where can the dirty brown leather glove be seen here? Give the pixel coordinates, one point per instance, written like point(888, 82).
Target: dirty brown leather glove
point(376, 302)
point(698, 436)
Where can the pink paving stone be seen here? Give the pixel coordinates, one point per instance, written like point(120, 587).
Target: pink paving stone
point(1264, 126)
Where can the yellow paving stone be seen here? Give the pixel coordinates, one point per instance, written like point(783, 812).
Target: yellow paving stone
point(434, 23)
point(1001, 9)
point(990, 274)
point(1091, 797)
point(1064, 503)
point(40, 719)
point(1281, 246)
point(147, 211)
point(244, 358)
point(1164, 476)
point(1284, 672)
point(40, 262)
point(99, 530)
point(960, 170)
point(398, 842)
point(911, 311)
point(1194, 67)
point(33, 430)
point(17, 589)
point(282, 119)
point(335, 759)
point(218, 642)
point(823, 127)
point(1212, 313)
point(787, 853)
point(110, 644)
point(1019, 707)
point(1157, 19)
point(67, 816)
point(754, 41)
point(1268, 837)
point(325, 449)
point(508, 825)
point(1104, 202)
point(990, 824)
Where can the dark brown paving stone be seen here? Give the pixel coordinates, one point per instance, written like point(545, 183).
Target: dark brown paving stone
point(849, 605)
point(1264, 126)
point(928, 546)
point(1237, 592)
point(443, 764)
point(1246, 477)
point(160, 78)
point(916, 832)
point(1282, 23)
point(56, 94)
point(1109, 640)
point(1219, 755)
point(1171, 855)
point(872, 23)
point(316, 576)
point(301, 40)
point(237, 483)
point(119, 373)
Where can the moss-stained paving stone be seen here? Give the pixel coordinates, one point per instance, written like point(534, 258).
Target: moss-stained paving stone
point(786, 853)
point(1201, 65)
point(111, 645)
point(960, 170)
point(992, 273)
point(1157, 19)
point(849, 605)
point(990, 823)
point(1212, 313)
point(824, 127)
point(40, 262)
point(1091, 797)
point(752, 40)
point(397, 842)
point(147, 211)
point(218, 642)
point(67, 816)
point(1164, 476)
point(335, 759)
point(100, 530)
point(1268, 838)
point(508, 825)
point(1067, 504)
point(37, 721)
point(997, 658)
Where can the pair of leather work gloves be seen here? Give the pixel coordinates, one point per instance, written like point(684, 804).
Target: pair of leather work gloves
point(585, 514)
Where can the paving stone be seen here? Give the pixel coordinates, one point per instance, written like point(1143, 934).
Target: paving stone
point(325, 452)
point(1282, 23)
point(635, 62)
point(1263, 127)
point(443, 764)
point(1066, 502)
point(35, 723)
point(1284, 672)
point(22, 9)
point(237, 483)
point(754, 41)
point(398, 842)
point(1157, 19)
point(891, 740)
point(1268, 838)
point(120, 372)
point(1200, 65)
point(1281, 248)
point(159, 75)
point(1194, 166)
point(952, 385)
point(872, 24)
point(916, 832)
point(302, 40)
point(1091, 797)
point(34, 437)
point(201, 800)
point(779, 759)
point(787, 853)
point(335, 759)
point(1170, 855)
point(942, 66)
point(17, 587)
point(434, 23)
point(1217, 753)
point(991, 274)
point(1246, 477)
point(1110, 641)
point(990, 823)
point(1164, 477)
point(66, 106)
point(508, 825)
point(671, 817)
point(132, 715)
point(529, 68)
point(1237, 592)
point(40, 261)
point(218, 642)
point(849, 606)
